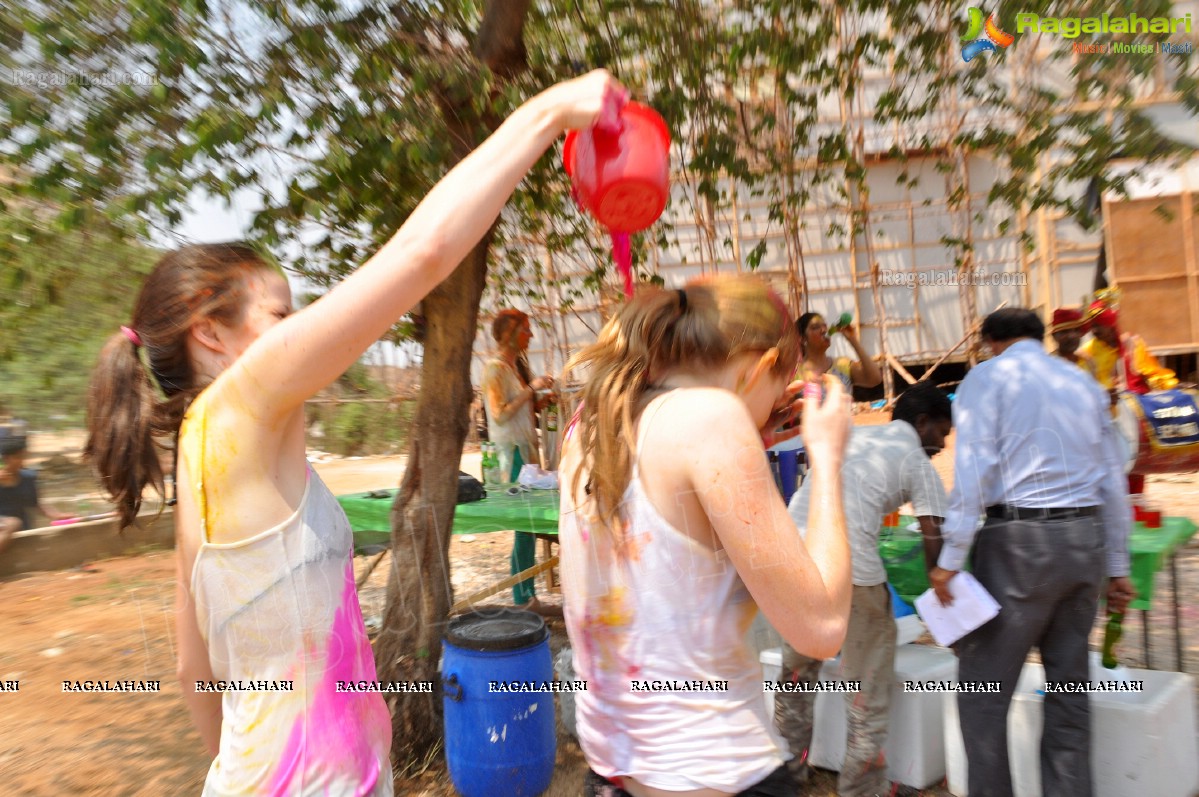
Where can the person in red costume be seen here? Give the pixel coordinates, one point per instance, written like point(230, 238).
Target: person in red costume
point(1067, 327)
point(1122, 361)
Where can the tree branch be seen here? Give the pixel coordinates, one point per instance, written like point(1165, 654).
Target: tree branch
point(500, 43)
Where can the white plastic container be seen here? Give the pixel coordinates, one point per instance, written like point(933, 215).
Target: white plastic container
point(915, 749)
point(1143, 744)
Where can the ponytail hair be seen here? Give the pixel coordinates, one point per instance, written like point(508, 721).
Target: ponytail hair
point(120, 415)
point(698, 328)
point(144, 380)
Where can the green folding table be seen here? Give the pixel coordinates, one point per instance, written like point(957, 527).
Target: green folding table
point(536, 512)
point(531, 512)
point(1150, 550)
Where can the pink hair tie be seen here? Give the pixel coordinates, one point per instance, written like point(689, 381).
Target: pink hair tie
point(132, 336)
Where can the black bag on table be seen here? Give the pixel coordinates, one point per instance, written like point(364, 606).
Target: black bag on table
point(469, 489)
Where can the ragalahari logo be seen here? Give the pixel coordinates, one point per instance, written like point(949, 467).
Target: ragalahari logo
point(982, 35)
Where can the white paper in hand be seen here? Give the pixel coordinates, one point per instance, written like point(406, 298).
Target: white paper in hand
point(972, 606)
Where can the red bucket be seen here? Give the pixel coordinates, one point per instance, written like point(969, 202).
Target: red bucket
point(622, 177)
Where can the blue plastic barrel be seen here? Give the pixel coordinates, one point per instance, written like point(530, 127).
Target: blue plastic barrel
point(498, 743)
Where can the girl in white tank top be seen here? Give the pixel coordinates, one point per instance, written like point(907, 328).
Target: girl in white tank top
point(267, 611)
point(673, 535)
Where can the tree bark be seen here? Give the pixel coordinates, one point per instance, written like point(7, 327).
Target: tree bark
point(500, 43)
point(419, 592)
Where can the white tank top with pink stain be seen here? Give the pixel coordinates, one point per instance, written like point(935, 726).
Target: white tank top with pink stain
point(282, 606)
point(660, 610)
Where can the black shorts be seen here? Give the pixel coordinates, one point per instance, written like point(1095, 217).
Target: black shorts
point(779, 783)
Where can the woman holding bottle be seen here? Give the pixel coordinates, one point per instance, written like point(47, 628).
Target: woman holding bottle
point(815, 340)
point(511, 400)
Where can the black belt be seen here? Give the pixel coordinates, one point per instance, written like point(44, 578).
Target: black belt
point(1008, 512)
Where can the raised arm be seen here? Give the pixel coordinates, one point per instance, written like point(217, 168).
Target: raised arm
point(865, 371)
point(803, 588)
point(310, 349)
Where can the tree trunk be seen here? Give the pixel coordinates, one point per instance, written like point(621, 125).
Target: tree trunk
point(419, 592)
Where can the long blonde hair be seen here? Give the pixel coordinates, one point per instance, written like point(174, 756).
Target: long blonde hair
point(697, 328)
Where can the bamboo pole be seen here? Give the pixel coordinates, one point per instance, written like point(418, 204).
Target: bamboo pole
point(916, 315)
point(511, 581)
point(371, 567)
point(898, 366)
point(735, 227)
point(852, 192)
point(1045, 251)
point(970, 332)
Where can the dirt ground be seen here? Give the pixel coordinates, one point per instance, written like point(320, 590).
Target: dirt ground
point(113, 619)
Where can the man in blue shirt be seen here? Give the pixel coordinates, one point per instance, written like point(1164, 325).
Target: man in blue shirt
point(1036, 454)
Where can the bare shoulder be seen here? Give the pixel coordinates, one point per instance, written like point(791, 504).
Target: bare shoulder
point(698, 420)
point(710, 410)
point(252, 472)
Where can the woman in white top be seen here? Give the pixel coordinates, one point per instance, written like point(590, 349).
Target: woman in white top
point(510, 399)
point(266, 591)
point(673, 535)
point(510, 392)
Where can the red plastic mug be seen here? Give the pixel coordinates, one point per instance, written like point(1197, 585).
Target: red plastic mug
point(622, 177)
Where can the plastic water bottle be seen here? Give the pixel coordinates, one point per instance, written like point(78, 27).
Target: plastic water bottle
point(490, 465)
point(842, 323)
point(496, 476)
point(550, 438)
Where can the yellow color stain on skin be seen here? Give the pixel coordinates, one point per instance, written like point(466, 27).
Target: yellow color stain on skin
point(220, 450)
point(210, 449)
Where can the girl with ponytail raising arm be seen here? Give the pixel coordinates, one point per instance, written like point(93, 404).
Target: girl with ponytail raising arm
point(673, 534)
point(266, 582)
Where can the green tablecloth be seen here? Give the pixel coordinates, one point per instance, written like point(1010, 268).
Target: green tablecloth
point(1150, 549)
point(903, 555)
point(535, 511)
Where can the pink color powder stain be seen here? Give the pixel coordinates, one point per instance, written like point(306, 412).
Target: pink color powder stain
point(332, 730)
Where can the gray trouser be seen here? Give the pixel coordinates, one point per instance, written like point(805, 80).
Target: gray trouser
point(868, 656)
point(1045, 575)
